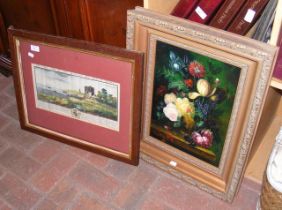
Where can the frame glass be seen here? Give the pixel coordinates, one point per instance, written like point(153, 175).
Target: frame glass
point(78, 92)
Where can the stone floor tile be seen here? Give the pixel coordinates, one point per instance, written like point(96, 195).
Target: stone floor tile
point(65, 161)
point(14, 134)
point(16, 193)
point(31, 140)
point(11, 110)
point(3, 121)
point(246, 198)
point(3, 145)
point(76, 150)
point(45, 151)
point(4, 206)
point(10, 91)
point(96, 160)
point(129, 197)
point(46, 205)
point(119, 170)
point(177, 194)
point(19, 163)
point(63, 193)
point(144, 176)
point(155, 204)
point(4, 100)
point(2, 172)
point(86, 202)
point(46, 179)
point(54, 171)
point(137, 185)
point(5, 82)
point(90, 178)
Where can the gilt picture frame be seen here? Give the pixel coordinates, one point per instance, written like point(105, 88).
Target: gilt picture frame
point(81, 93)
point(202, 98)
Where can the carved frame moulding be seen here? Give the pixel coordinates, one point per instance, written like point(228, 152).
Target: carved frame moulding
point(203, 94)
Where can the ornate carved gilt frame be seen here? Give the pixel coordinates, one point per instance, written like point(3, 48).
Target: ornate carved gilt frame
point(255, 59)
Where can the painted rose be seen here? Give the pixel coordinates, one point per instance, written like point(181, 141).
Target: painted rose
point(196, 69)
point(171, 112)
point(204, 138)
point(169, 98)
point(186, 109)
point(184, 106)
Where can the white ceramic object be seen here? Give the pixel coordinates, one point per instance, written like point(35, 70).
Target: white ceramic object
point(274, 167)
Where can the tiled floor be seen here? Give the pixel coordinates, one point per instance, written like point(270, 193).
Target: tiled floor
point(38, 173)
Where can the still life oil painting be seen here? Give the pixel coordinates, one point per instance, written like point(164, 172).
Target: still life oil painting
point(193, 97)
point(80, 97)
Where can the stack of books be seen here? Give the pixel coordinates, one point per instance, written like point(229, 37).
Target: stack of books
point(245, 17)
point(258, 19)
point(277, 72)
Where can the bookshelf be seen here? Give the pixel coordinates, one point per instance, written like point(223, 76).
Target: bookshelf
point(271, 117)
point(163, 6)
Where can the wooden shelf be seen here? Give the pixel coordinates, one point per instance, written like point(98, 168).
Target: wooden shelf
point(267, 130)
point(270, 121)
point(276, 83)
point(160, 6)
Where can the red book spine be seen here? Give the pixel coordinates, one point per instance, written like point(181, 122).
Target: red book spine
point(277, 72)
point(184, 8)
point(205, 10)
point(226, 13)
point(247, 16)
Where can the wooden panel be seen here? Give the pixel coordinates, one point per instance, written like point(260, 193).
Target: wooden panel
point(101, 21)
point(107, 20)
point(3, 37)
point(25, 14)
point(31, 15)
point(69, 18)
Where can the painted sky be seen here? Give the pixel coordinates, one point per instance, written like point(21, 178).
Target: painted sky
point(62, 80)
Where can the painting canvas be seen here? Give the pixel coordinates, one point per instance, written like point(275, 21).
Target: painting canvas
point(192, 101)
point(74, 95)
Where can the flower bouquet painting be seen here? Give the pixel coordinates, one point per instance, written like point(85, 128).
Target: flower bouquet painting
point(193, 97)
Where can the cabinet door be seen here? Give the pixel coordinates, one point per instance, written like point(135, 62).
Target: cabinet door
point(27, 14)
point(102, 21)
point(107, 20)
point(24, 14)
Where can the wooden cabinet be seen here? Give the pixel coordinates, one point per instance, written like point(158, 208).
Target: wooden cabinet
point(100, 21)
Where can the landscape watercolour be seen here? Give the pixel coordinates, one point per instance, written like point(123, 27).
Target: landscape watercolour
point(88, 99)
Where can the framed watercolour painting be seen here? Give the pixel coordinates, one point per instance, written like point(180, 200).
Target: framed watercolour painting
point(79, 92)
point(203, 94)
